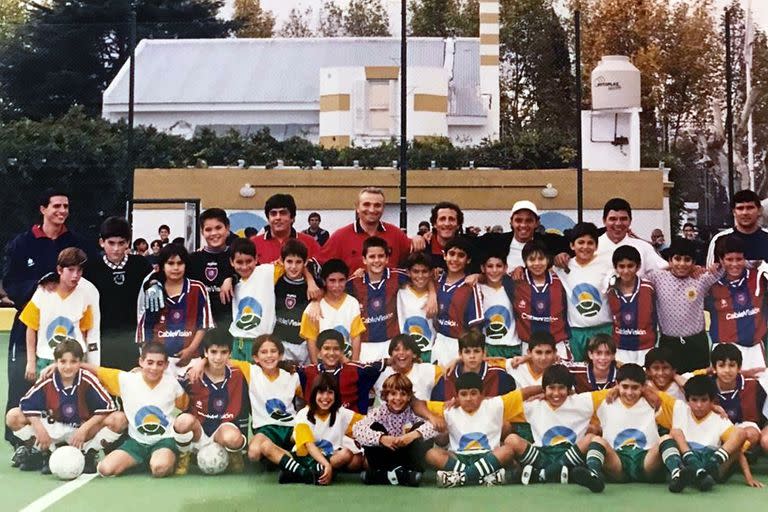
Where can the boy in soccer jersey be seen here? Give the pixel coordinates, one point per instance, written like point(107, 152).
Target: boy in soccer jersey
point(476, 454)
point(355, 380)
point(291, 301)
point(151, 399)
point(459, 304)
point(376, 290)
point(632, 301)
point(658, 366)
point(709, 444)
point(585, 281)
point(59, 310)
point(472, 346)
point(118, 276)
point(218, 404)
point(412, 304)
point(736, 304)
point(338, 310)
point(404, 360)
point(497, 290)
point(540, 302)
point(68, 406)
point(600, 370)
point(528, 369)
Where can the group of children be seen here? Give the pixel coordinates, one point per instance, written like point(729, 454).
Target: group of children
point(514, 375)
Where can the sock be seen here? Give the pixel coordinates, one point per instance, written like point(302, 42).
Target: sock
point(485, 466)
point(670, 456)
point(530, 456)
point(716, 460)
point(595, 457)
point(289, 464)
point(453, 464)
point(691, 460)
point(183, 441)
point(25, 433)
point(573, 457)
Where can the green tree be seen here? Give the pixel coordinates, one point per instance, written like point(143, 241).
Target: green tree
point(67, 52)
point(331, 20)
point(445, 18)
point(297, 24)
point(253, 21)
point(12, 14)
point(366, 18)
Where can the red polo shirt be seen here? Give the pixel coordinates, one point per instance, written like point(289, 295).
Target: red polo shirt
point(346, 244)
point(268, 247)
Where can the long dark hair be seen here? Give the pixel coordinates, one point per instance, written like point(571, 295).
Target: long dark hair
point(324, 382)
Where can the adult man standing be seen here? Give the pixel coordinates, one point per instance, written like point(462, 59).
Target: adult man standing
point(346, 243)
point(689, 233)
point(315, 231)
point(747, 210)
point(28, 257)
point(280, 210)
point(446, 219)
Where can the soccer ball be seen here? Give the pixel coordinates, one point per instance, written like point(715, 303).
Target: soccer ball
point(212, 459)
point(66, 462)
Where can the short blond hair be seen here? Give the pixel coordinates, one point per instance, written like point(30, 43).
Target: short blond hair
point(396, 382)
point(372, 190)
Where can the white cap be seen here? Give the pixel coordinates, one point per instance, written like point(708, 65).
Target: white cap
point(524, 205)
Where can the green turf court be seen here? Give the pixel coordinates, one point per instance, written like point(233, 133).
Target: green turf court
point(260, 492)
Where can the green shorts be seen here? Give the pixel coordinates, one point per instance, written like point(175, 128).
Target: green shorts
point(141, 452)
point(469, 458)
point(278, 434)
point(552, 454)
point(41, 364)
point(633, 465)
point(241, 349)
point(580, 337)
point(505, 351)
point(523, 430)
point(426, 356)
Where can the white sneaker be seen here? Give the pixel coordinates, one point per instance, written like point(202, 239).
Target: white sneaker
point(525, 476)
point(451, 478)
point(564, 475)
point(495, 478)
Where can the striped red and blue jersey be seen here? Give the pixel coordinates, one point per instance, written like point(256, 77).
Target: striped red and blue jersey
point(214, 403)
point(584, 377)
point(496, 382)
point(745, 402)
point(355, 382)
point(73, 406)
point(378, 304)
point(634, 317)
point(736, 314)
point(176, 324)
point(458, 307)
point(541, 308)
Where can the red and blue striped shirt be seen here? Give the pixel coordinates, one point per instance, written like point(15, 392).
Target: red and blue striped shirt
point(214, 403)
point(541, 308)
point(736, 314)
point(458, 307)
point(378, 304)
point(634, 317)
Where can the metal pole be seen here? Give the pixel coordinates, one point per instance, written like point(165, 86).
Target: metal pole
point(131, 98)
point(403, 118)
point(579, 166)
point(729, 103)
point(748, 47)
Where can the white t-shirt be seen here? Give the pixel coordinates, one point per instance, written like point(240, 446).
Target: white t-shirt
point(524, 375)
point(272, 400)
point(499, 320)
point(649, 258)
point(328, 438)
point(413, 319)
point(585, 285)
point(627, 426)
point(150, 410)
point(709, 432)
point(423, 377)
point(479, 431)
point(253, 306)
point(567, 423)
point(515, 256)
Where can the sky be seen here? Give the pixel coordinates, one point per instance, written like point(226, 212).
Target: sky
point(281, 8)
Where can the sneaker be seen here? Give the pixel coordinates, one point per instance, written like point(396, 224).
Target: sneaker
point(287, 477)
point(182, 465)
point(529, 475)
point(495, 478)
point(564, 475)
point(33, 461)
point(236, 462)
point(21, 453)
point(588, 478)
point(704, 481)
point(89, 468)
point(451, 478)
point(680, 480)
point(46, 470)
point(408, 477)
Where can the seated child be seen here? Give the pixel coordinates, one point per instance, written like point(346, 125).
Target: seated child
point(404, 360)
point(393, 437)
point(70, 406)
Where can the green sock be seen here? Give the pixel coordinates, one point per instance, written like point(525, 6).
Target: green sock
point(691, 460)
point(595, 457)
point(453, 464)
point(573, 457)
point(290, 464)
point(717, 459)
point(670, 456)
point(530, 456)
point(485, 466)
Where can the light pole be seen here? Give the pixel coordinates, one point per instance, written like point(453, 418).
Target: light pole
point(403, 118)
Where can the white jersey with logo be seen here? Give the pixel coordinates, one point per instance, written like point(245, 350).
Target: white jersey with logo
point(479, 431)
point(675, 391)
point(709, 432)
point(150, 410)
point(272, 400)
point(629, 426)
point(423, 376)
point(585, 286)
point(568, 423)
point(499, 319)
point(253, 306)
point(524, 375)
point(329, 438)
point(649, 258)
point(412, 317)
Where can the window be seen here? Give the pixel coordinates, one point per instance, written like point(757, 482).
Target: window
point(379, 106)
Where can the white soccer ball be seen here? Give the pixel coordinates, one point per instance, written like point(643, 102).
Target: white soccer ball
point(212, 459)
point(66, 462)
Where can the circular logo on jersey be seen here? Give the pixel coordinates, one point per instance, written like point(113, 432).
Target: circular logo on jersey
point(249, 313)
point(176, 316)
point(630, 437)
point(557, 435)
point(60, 329)
point(419, 330)
point(290, 301)
point(218, 405)
point(376, 304)
point(540, 305)
point(741, 298)
point(587, 299)
point(68, 411)
point(691, 294)
point(628, 317)
point(474, 441)
point(499, 320)
point(345, 334)
point(151, 421)
point(325, 446)
point(277, 410)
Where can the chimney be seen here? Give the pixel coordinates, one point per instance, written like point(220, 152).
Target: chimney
point(489, 65)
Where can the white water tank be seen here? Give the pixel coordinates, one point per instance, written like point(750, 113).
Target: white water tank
point(615, 84)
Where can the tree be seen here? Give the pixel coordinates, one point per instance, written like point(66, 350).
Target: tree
point(12, 14)
point(445, 18)
point(297, 24)
point(253, 21)
point(366, 18)
point(331, 20)
point(68, 52)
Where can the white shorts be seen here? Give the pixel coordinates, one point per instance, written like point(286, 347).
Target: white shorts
point(752, 357)
point(61, 433)
point(205, 440)
point(562, 348)
point(296, 352)
point(445, 350)
point(372, 352)
point(350, 443)
point(632, 356)
point(748, 424)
